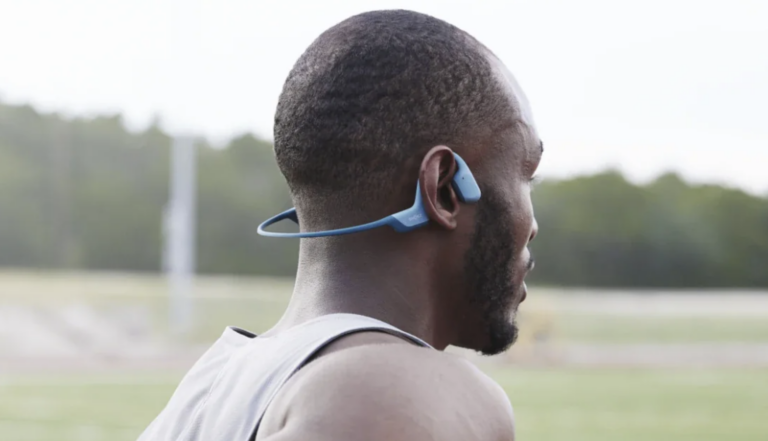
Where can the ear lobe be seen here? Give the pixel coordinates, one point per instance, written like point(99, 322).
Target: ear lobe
point(440, 200)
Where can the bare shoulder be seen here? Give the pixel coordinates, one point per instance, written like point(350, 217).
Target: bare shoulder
point(390, 392)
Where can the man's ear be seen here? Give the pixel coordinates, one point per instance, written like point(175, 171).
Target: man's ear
point(435, 175)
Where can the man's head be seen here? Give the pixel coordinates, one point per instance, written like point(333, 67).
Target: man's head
point(382, 100)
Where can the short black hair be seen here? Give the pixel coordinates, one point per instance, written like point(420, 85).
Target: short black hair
point(373, 91)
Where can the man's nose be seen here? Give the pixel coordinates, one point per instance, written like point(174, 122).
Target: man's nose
point(534, 230)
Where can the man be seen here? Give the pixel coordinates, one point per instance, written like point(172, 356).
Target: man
point(376, 108)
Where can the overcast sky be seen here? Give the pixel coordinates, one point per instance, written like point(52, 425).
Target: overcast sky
point(643, 86)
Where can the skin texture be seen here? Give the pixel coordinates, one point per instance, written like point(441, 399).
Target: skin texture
point(458, 281)
point(336, 398)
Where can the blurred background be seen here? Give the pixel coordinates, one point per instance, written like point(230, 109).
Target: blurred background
point(136, 163)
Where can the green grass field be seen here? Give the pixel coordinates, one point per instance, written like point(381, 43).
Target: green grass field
point(257, 303)
point(550, 404)
point(593, 328)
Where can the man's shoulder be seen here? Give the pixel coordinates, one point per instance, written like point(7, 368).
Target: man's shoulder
point(426, 392)
point(407, 365)
point(392, 365)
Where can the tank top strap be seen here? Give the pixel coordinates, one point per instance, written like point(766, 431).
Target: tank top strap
point(226, 399)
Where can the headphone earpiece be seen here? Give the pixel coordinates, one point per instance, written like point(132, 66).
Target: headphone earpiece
point(464, 182)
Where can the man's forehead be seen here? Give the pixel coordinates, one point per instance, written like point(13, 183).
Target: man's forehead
point(514, 90)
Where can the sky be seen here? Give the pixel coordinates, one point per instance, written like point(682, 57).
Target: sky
point(645, 87)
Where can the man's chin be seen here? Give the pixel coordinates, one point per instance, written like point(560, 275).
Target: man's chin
point(501, 336)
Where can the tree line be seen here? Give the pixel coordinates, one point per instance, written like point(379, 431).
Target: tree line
point(86, 193)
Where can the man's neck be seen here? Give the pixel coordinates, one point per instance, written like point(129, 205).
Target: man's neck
point(390, 284)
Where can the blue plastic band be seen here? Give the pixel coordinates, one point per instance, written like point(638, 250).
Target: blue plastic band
point(407, 220)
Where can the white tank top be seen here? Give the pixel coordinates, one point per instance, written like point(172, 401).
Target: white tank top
point(225, 394)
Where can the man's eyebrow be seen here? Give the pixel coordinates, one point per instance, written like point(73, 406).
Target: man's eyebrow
point(541, 146)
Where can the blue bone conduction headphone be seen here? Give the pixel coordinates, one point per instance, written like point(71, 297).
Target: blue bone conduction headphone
point(407, 220)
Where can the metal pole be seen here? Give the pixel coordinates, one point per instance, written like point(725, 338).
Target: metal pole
point(180, 234)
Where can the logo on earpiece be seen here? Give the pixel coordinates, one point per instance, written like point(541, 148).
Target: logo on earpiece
point(415, 218)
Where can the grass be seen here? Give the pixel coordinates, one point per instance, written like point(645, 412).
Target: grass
point(603, 328)
point(550, 404)
point(256, 303)
point(80, 408)
point(638, 405)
